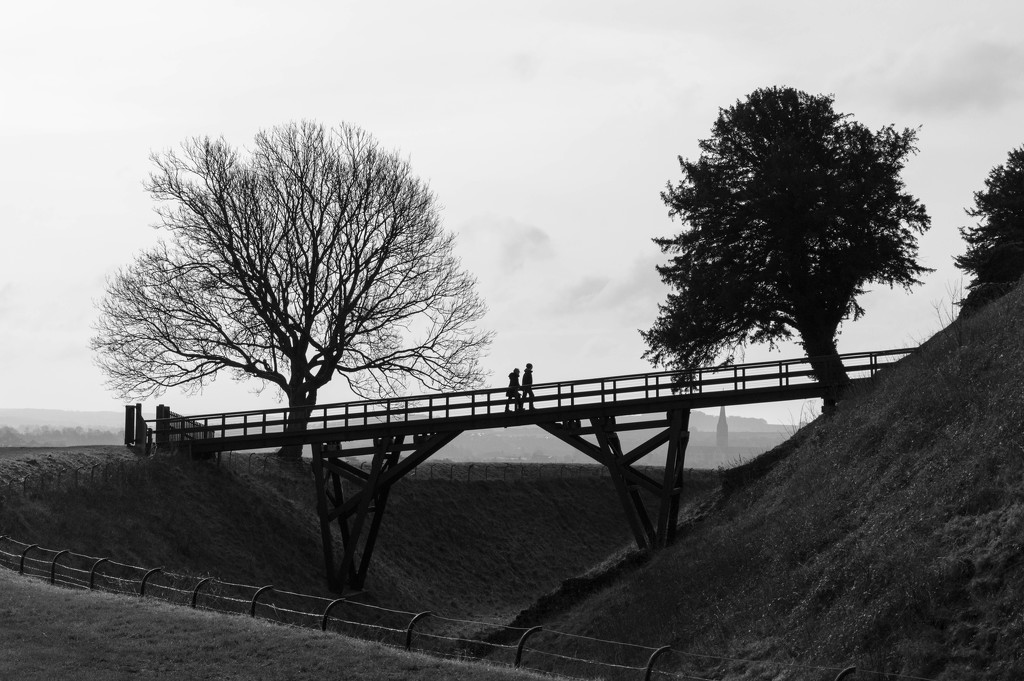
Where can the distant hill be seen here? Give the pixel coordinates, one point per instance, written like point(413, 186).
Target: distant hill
point(529, 443)
point(114, 420)
point(58, 418)
point(701, 421)
point(747, 437)
point(58, 428)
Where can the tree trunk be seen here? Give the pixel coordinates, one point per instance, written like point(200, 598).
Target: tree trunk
point(299, 409)
point(827, 367)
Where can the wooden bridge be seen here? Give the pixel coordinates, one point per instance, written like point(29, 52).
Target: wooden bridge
point(400, 433)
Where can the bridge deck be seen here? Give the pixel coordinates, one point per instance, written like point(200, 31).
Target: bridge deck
point(401, 433)
point(635, 394)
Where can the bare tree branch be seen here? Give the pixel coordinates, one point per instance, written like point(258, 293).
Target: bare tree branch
point(315, 255)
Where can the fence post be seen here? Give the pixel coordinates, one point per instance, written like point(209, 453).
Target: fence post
point(408, 630)
point(141, 431)
point(142, 589)
point(259, 591)
point(195, 591)
point(92, 571)
point(129, 425)
point(654, 656)
point(327, 612)
point(522, 642)
point(161, 424)
point(21, 565)
point(53, 564)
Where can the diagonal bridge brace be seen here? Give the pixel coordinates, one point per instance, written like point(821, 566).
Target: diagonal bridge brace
point(359, 512)
point(628, 481)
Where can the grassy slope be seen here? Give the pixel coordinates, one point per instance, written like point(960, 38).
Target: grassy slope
point(892, 536)
point(889, 537)
point(490, 548)
point(50, 634)
point(481, 550)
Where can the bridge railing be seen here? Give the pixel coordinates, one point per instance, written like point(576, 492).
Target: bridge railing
point(772, 375)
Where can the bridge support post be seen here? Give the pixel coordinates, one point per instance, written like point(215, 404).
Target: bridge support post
point(371, 503)
point(359, 512)
point(630, 483)
point(629, 495)
point(672, 482)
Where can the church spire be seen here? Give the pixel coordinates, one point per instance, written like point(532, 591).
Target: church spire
point(722, 434)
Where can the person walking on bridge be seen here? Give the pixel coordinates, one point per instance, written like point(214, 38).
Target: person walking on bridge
point(528, 384)
point(513, 391)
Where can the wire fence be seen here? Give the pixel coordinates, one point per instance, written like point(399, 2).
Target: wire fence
point(116, 473)
point(541, 649)
point(125, 472)
point(441, 470)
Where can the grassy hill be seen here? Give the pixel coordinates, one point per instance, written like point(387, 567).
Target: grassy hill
point(890, 536)
point(481, 550)
point(51, 634)
point(484, 549)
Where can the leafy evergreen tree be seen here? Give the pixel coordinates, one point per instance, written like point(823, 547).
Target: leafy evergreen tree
point(790, 211)
point(995, 246)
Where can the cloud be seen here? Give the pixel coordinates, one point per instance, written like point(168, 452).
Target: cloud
point(505, 244)
point(983, 75)
point(583, 294)
point(525, 65)
point(641, 282)
point(6, 296)
point(629, 296)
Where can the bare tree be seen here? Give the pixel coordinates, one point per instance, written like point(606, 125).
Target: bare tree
point(315, 254)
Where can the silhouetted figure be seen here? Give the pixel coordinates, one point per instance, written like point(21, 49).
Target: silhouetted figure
point(513, 391)
point(528, 384)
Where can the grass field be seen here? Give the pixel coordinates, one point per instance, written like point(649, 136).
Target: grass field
point(50, 634)
point(484, 549)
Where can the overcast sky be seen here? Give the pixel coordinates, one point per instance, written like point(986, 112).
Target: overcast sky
point(547, 129)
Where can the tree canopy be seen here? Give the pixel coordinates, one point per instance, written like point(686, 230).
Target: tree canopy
point(995, 245)
point(314, 255)
point(790, 211)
